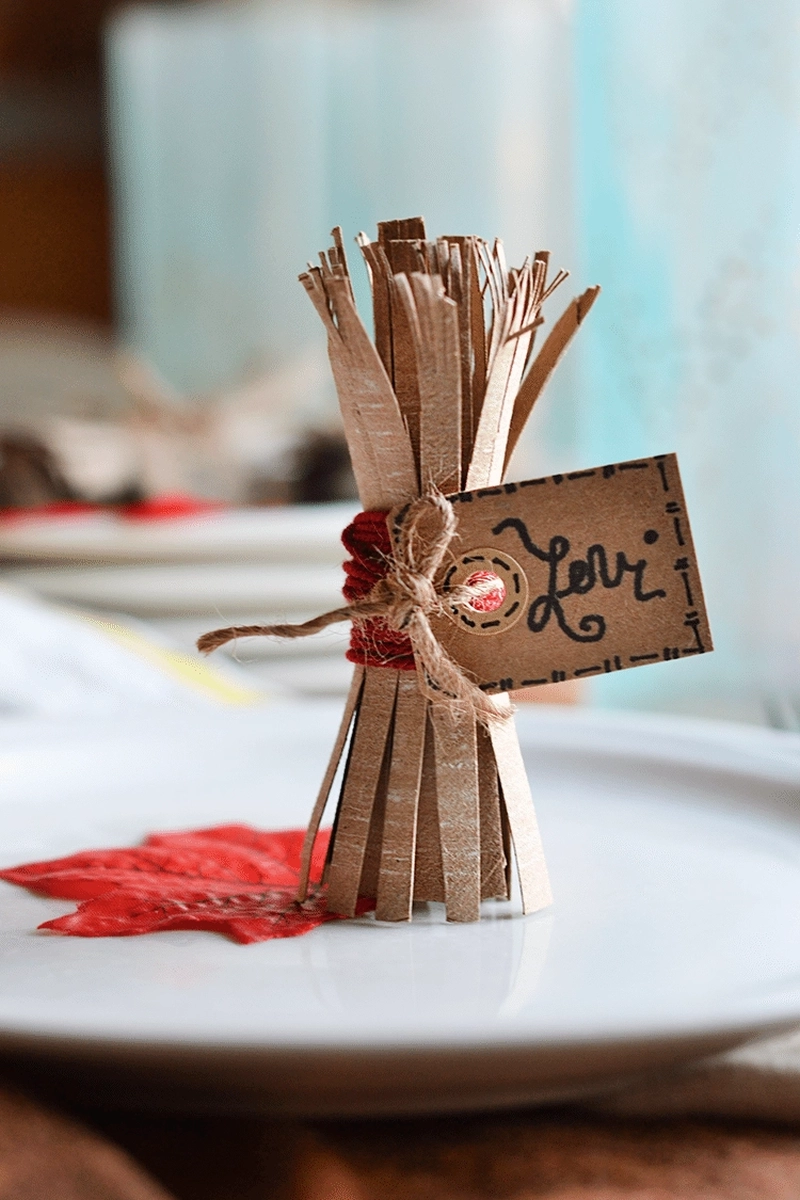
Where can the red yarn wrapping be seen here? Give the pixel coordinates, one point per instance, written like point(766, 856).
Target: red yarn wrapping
point(372, 643)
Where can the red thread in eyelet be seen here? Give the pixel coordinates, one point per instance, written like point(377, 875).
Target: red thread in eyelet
point(491, 601)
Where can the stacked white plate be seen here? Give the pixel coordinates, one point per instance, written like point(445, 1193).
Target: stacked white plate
point(188, 574)
point(297, 534)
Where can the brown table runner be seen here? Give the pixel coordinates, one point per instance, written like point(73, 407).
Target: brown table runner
point(501, 1156)
point(45, 1156)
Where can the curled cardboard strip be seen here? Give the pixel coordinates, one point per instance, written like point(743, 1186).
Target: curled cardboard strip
point(431, 805)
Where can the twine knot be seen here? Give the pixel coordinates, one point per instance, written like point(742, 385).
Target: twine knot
point(392, 597)
point(426, 528)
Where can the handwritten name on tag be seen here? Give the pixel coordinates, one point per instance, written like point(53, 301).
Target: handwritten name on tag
point(593, 572)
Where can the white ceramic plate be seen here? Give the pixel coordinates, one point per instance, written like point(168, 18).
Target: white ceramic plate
point(674, 848)
point(301, 533)
point(219, 591)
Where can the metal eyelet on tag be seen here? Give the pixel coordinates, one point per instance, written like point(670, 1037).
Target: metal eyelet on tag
point(502, 607)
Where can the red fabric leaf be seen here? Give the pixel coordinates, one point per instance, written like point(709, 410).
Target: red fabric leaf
point(283, 846)
point(93, 872)
point(169, 505)
point(230, 879)
point(245, 917)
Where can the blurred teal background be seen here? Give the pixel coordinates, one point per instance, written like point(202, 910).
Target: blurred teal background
point(243, 132)
point(688, 145)
point(653, 147)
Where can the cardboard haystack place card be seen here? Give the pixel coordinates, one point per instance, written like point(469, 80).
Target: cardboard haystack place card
point(456, 602)
point(595, 571)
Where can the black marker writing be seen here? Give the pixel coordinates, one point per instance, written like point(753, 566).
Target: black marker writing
point(583, 574)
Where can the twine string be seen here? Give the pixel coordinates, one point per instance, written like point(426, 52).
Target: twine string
point(404, 598)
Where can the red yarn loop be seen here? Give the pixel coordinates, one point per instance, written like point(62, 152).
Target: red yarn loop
point(372, 643)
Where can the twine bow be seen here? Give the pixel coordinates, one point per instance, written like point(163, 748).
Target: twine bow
point(405, 598)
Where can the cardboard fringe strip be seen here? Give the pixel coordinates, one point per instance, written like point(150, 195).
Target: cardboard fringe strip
point(432, 804)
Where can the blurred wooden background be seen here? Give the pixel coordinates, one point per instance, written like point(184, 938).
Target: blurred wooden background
point(54, 207)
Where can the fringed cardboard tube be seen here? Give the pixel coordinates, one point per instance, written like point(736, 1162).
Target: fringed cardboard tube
point(434, 799)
